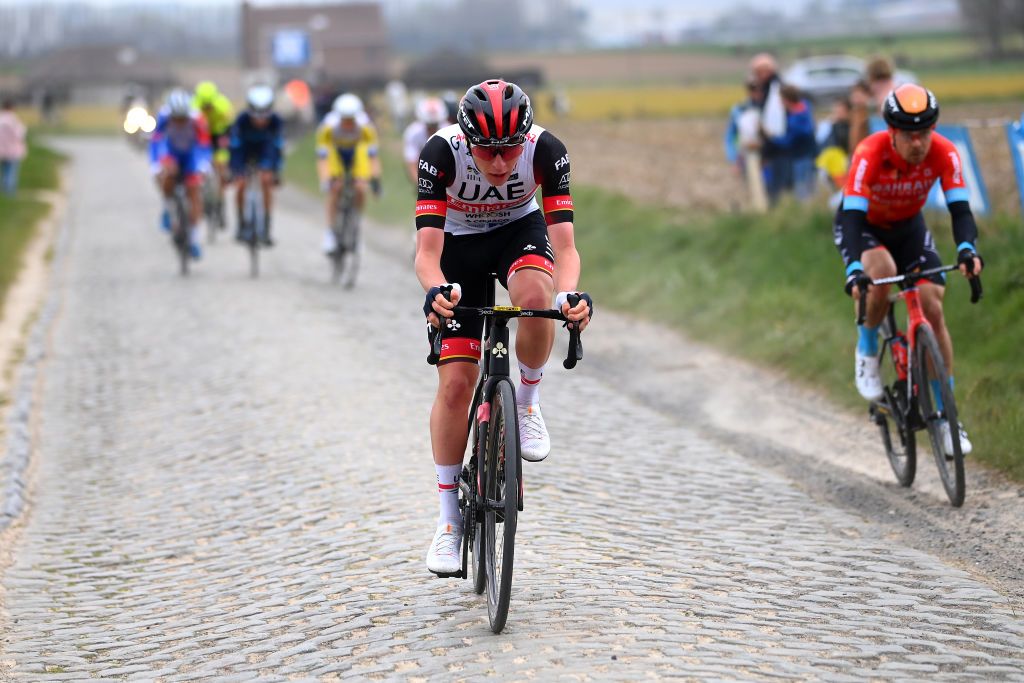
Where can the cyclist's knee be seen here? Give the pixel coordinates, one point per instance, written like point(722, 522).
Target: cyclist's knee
point(456, 385)
point(878, 263)
point(531, 289)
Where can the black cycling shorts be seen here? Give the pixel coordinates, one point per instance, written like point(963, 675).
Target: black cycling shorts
point(471, 260)
point(910, 243)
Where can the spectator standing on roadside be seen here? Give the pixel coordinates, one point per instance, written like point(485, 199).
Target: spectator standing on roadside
point(866, 98)
point(764, 71)
point(12, 147)
point(793, 164)
point(734, 143)
point(833, 158)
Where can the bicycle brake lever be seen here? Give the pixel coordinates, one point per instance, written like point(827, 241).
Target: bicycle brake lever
point(575, 352)
point(976, 290)
point(434, 339)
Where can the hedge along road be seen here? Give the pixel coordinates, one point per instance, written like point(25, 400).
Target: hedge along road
point(232, 479)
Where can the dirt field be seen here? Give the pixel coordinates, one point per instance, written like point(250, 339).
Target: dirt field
point(627, 67)
point(682, 162)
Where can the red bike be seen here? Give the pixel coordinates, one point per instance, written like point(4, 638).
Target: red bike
point(908, 404)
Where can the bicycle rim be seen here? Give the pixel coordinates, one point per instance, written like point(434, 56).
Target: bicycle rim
point(890, 414)
point(951, 469)
point(501, 488)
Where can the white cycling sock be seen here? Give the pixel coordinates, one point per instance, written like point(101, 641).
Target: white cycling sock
point(448, 493)
point(528, 391)
point(193, 234)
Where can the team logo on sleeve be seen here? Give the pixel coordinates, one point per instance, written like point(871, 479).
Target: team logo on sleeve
point(563, 184)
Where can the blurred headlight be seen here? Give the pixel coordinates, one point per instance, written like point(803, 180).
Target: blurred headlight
point(148, 124)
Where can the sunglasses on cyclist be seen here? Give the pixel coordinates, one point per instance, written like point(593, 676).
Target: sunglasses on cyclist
point(488, 152)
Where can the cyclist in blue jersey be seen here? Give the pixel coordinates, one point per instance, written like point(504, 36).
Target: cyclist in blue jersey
point(180, 147)
point(257, 136)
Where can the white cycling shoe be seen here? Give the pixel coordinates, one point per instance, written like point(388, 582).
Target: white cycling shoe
point(869, 383)
point(947, 439)
point(534, 442)
point(445, 554)
point(329, 244)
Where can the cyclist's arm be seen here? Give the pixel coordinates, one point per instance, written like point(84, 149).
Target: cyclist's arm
point(435, 170)
point(965, 230)
point(276, 143)
point(158, 142)
point(237, 159)
point(853, 211)
point(372, 149)
point(552, 171)
point(324, 150)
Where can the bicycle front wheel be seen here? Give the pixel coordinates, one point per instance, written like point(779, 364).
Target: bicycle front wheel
point(890, 414)
point(501, 502)
point(929, 367)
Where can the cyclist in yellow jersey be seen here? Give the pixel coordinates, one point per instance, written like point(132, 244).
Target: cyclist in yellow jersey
point(346, 143)
point(219, 115)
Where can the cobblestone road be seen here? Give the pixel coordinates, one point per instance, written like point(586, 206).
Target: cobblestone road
point(232, 481)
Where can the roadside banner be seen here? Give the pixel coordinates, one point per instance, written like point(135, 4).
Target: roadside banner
point(1015, 135)
point(959, 136)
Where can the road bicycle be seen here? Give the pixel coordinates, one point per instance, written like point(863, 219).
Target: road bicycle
point(179, 215)
point(909, 402)
point(491, 484)
point(213, 205)
point(346, 224)
point(254, 218)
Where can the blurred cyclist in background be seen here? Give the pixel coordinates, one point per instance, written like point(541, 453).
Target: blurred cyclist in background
point(431, 114)
point(346, 143)
point(257, 137)
point(180, 149)
point(218, 112)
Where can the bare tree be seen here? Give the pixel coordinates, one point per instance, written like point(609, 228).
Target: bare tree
point(991, 21)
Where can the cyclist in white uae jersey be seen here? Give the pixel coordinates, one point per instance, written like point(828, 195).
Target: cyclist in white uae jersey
point(477, 214)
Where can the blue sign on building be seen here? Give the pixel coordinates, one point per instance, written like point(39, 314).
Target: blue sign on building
point(290, 48)
point(1015, 135)
point(959, 136)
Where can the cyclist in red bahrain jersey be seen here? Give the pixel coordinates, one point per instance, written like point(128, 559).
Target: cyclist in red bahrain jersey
point(880, 230)
point(477, 213)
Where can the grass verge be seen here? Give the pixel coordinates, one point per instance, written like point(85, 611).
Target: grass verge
point(20, 214)
point(769, 288)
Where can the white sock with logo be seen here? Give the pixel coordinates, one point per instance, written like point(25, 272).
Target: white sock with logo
point(528, 391)
point(448, 493)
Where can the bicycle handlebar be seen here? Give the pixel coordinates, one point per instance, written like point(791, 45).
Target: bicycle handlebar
point(975, 282)
point(574, 354)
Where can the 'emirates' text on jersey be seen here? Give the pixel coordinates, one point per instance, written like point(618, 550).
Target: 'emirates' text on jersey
point(455, 196)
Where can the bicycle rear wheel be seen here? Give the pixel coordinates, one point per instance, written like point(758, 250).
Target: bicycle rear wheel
point(501, 500)
point(890, 414)
point(930, 366)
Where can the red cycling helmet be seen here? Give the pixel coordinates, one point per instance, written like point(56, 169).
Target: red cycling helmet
point(911, 107)
point(495, 112)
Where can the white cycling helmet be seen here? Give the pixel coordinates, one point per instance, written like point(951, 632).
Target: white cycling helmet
point(347, 106)
point(260, 99)
point(432, 111)
point(179, 103)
